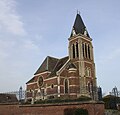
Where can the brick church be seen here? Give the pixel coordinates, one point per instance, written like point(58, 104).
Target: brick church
point(69, 77)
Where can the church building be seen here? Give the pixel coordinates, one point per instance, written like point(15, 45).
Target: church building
point(69, 77)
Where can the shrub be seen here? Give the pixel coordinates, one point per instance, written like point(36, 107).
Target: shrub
point(58, 100)
point(84, 98)
point(111, 101)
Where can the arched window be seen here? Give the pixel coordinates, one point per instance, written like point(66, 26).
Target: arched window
point(89, 74)
point(90, 87)
point(88, 51)
point(73, 48)
point(66, 86)
point(52, 86)
point(40, 81)
point(77, 51)
point(83, 49)
point(86, 71)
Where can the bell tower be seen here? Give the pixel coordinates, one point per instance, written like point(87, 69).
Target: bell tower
point(81, 54)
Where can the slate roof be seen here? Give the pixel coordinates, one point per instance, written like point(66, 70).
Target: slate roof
point(79, 26)
point(58, 66)
point(50, 64)
point(47, 65)
point(31, 80)
point(71, 65)
point(8, 98)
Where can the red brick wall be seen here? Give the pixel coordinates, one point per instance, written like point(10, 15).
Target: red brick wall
point(54, 109)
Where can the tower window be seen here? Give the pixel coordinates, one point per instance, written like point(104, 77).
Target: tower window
point(83, 49)
point(66, 86)
point(77, 51)
point(88, 51)
point(73, 48)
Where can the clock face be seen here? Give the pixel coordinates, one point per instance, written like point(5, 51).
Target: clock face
point(40, 81)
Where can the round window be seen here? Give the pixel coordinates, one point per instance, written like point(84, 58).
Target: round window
point(52, 86)
point(40, 81)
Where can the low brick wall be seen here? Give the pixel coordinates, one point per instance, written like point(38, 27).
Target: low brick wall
point(93, 108)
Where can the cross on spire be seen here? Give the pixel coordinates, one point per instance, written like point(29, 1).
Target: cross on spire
point(78, 12)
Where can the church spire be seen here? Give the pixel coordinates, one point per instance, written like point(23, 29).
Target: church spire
point(79, 26)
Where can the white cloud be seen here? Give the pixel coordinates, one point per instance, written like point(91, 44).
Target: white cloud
point(38, 37)
point(109, 56)
point(9, 19)
point(5, 46)
point(29, 45)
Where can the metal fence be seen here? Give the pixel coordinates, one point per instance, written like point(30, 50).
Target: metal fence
point(115, 92)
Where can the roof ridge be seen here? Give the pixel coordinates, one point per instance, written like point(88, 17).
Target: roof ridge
point(64, 57)
point(52, 57)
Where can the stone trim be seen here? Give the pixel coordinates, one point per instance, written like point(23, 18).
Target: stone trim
point(72, 93)
point(73, 85)
point(31, 83)
point(73, 77)
point(50, 78)
point(80, 36)
point(59, 71)
point(42, 73)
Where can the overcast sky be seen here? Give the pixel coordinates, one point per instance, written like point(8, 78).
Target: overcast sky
point(30, 30)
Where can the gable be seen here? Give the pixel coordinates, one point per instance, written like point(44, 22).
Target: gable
point(47, 65)
point(50, 64)
point(31, 80)
point(58, 66)
point(69, 66)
